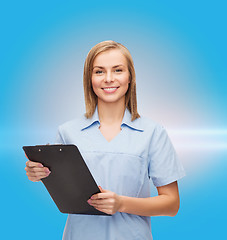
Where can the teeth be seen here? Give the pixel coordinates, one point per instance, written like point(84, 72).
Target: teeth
point(110, 88)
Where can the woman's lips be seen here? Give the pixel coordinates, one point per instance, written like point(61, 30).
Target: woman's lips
point(110, 89)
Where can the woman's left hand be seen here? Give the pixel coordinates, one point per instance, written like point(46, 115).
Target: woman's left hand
point(106, 201)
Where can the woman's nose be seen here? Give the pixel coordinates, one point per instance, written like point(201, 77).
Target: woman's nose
point(109, 77)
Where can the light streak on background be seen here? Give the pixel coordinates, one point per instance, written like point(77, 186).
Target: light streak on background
point(199, 139)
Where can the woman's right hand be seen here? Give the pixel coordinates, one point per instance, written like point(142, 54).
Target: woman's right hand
point(36, 171)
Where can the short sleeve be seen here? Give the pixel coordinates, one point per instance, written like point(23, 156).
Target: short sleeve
point(59, 138)
point(164, 165)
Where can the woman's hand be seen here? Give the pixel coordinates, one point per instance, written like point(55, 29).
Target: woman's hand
point(36, 171)
point(106, 201)
point(165, 204)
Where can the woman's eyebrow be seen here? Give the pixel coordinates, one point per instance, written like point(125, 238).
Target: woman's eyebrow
point(97, 67)
point(113, 66)
point(120, 65)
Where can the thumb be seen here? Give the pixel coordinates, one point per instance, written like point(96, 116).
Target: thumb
point(102, 190)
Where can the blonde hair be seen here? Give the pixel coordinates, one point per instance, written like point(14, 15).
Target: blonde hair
point(90, 96)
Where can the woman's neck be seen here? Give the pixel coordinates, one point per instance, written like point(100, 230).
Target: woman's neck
point(111, 113)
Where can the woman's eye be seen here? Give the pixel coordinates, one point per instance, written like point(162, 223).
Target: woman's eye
point(98, 72)
point(118, 70)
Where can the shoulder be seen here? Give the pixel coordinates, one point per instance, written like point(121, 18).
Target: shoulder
point(73, 124)
point(158, 136)
point(149, 125)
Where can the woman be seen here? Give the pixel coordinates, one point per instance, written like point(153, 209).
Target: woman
point(122, 150)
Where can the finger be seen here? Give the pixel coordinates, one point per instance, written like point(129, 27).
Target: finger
point(104, 203)
point(102, 195)
point(38, 170)
point(33, 164)
point(107, 211)
point(102, 206)
point(103, 190)
point(37, 175)
point(34, 179)
point(34, 173)
point(35, 169)
point(96, 196)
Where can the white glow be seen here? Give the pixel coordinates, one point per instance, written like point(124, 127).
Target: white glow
point(199, 139)
point(198, 132)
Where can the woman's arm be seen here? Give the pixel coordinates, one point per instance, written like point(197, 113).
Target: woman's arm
point(165, 204)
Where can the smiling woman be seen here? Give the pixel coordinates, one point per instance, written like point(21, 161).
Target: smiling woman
point(90, 70)
point(110, 77)
point(122, 150)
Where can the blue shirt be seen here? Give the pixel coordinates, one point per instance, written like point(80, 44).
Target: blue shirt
point(140, 152)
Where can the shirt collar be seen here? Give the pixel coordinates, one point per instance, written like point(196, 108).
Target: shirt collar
point(135, 125)
point(90, 121)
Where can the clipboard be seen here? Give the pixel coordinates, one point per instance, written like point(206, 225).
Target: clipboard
point(70, 183)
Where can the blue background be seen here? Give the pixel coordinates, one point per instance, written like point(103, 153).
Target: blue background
point(179, 50)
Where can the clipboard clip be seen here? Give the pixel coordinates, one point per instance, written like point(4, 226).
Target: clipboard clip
point(40, 150)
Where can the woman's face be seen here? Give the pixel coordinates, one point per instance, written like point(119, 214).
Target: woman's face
point(110, 76)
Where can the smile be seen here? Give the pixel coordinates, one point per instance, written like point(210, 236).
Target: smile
point(110, 89)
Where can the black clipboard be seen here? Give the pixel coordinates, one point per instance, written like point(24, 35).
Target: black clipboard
point(70, 183)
